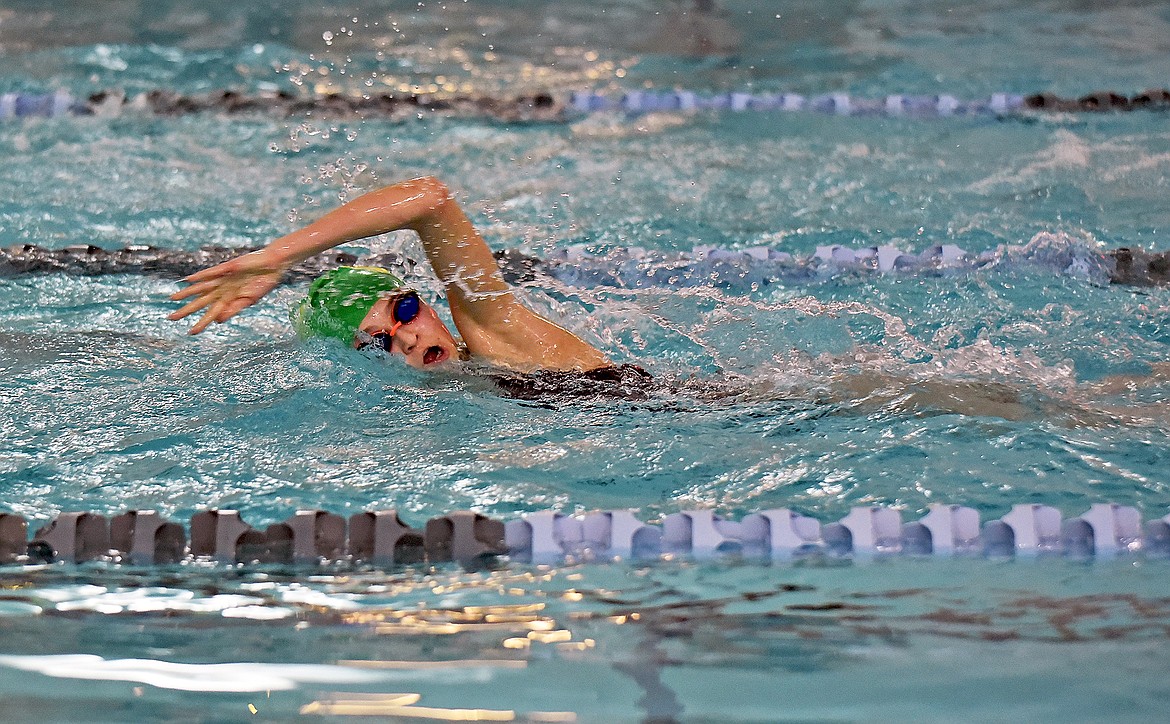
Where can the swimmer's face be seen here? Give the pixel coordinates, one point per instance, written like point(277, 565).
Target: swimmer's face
point(424, 342)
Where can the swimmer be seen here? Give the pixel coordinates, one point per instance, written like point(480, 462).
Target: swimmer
point(533, 357)
point(364, 306)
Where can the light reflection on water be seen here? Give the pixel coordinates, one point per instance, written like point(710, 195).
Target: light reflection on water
point(465, 639)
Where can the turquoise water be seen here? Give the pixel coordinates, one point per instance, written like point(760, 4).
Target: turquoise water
point(107, 406)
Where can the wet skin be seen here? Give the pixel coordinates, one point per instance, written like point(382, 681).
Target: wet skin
point(424, 342)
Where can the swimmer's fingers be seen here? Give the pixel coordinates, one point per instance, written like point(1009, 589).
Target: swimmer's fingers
point(248, 277)
point(199, 288)
point(191, 307)
point(203, 323)
point(211, 315)
point(227, 289)
point(223, 298)
point(222, 308)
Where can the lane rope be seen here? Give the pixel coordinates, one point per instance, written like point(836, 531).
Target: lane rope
point(549, 107)
point(741, 269)
point(1105, 530)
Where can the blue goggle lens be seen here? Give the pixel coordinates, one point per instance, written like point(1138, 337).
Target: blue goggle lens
point(406, 308)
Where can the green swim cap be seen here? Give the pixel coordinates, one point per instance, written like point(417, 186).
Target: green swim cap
point(339, 300)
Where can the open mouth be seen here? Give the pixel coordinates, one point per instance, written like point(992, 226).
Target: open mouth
point(434, 355)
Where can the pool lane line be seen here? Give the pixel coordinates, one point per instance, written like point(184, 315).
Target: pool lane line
point(550, 107)
point(1105, 530)
point(633, 267)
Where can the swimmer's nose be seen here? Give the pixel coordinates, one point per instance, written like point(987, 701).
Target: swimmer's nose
point(406, 340)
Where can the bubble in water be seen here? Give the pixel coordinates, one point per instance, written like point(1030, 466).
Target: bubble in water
point(327, 36)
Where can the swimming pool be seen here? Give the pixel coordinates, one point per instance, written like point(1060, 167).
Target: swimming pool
point(108, 407)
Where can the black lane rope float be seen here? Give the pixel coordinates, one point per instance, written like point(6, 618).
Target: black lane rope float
point(550, 107)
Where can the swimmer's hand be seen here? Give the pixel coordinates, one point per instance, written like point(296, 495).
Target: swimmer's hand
point(228, 288)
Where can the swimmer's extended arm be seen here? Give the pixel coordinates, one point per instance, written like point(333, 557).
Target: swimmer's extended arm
point(228, 288)
point(493, 324)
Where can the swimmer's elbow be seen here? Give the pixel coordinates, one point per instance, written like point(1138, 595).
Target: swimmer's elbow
point(433, 189)
point(416, 204)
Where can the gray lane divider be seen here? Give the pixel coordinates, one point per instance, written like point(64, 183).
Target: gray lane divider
point(381, 537)
point(633, 267)
point(91, 260)
point(144, 537)
point(463, 535)
point(546, 107)
point(13, 537)
point(83, 536)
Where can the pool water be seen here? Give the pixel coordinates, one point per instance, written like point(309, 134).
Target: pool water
point(107, 406)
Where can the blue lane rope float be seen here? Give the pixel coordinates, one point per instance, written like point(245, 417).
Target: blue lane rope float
point(543, 106)
point(840, 104)
point(846, 105)
point(1105, 530)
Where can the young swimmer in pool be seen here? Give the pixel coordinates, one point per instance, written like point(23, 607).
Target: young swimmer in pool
point(363, 306)
point(366, 305)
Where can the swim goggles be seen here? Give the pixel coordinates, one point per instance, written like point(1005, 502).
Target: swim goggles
point(404, 309)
